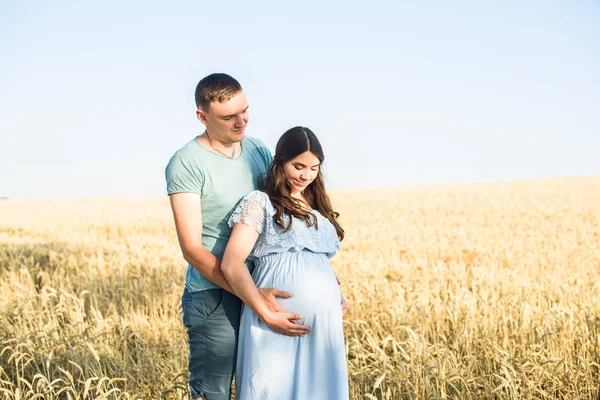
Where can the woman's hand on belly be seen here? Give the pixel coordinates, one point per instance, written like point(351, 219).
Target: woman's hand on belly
point(285, 323)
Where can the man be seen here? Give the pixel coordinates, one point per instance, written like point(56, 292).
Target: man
point(206, 179)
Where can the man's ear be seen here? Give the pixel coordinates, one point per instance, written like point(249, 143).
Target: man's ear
point(201, 115)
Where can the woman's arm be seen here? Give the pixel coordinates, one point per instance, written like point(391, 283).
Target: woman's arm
point(242, 240)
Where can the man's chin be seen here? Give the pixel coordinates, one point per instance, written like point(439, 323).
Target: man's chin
point(238, 136)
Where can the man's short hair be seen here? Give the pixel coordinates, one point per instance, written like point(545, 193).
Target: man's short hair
point(215, 87)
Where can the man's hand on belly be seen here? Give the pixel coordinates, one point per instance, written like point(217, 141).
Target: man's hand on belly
point(270, 296)
point(344, 304)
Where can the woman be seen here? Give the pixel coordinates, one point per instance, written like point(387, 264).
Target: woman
point(290, 231)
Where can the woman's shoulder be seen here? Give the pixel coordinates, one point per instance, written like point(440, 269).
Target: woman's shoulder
point(252, 210)
point(259, 196)
point(261, 199)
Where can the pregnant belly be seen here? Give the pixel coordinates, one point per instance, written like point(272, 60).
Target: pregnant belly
point(308, 277)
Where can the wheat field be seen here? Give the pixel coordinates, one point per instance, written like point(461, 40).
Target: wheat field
point(478, 291)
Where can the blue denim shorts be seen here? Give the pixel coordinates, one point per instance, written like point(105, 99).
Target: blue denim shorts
point(212, 319)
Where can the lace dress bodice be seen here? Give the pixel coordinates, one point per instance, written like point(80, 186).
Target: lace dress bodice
point(256, 210)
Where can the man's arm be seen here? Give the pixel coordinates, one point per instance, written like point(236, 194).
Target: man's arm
point(187, 213)
point(343, 300)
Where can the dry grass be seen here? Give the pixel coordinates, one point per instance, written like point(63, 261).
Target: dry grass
point(486, 291)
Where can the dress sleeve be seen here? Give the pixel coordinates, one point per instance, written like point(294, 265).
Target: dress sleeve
point(251, 211)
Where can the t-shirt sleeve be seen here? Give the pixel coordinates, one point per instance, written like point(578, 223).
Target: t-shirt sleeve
point(183, 176)
point(267, 156)
point(251, 211)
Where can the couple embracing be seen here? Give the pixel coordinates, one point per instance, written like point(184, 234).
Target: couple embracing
point(261, 298)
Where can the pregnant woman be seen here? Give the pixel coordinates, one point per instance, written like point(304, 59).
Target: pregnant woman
point(289, 231)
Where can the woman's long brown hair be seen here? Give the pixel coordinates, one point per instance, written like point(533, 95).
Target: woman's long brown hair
point(292, 143)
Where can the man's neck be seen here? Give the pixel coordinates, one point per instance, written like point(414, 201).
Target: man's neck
point(218, 142)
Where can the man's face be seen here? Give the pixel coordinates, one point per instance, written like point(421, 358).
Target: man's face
point(226, 121)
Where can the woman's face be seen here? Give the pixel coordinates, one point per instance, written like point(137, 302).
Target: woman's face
point(301, 171)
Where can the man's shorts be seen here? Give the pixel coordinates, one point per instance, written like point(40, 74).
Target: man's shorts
point(212, 319)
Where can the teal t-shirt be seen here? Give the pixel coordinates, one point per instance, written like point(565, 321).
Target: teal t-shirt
point(221, 183)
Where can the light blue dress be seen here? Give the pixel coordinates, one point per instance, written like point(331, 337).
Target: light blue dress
point(273, 366)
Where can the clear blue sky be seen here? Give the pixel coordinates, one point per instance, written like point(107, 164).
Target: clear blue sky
point(96, 96)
